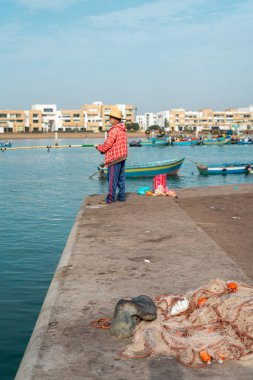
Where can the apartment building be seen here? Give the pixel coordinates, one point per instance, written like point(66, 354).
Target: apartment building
point(180, 120)
point(162, 119)
point(150, 118)
point(92, 117)
point(71, 120)
point(208, 120)
point(12, 121)
point(94, 120)
point(140, 119)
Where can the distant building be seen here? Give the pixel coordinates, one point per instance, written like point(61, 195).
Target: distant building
point(92, 117)
point(204, 120)
point(140, 119)
point(12, 121)
point(162, 119)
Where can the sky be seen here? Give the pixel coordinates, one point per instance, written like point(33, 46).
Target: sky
point(156, 55)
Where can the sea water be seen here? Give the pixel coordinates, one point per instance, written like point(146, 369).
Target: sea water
point(40, 195)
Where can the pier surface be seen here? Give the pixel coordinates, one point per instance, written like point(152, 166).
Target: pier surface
point(146, 245)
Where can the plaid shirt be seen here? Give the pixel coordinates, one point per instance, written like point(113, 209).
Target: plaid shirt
point(115, 146)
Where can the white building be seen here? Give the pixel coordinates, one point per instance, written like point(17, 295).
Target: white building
point(150, 119)
point(140, 119)
point(162, 119)
point(51, 119)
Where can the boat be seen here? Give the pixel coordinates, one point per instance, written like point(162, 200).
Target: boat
point(244, 141)
point(185, 142)
point(151, 169)
point(226, 168)
point(4, 144)
point(155, 142)
point(216, 141)
point(135, 143)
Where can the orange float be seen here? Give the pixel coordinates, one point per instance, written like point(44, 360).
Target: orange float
point(201, 301)
point(232, 287)
point(205, 357)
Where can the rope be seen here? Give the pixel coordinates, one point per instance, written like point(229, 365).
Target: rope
point(101, 323)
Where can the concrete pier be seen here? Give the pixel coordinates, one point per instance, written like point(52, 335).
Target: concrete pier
point(146, 245)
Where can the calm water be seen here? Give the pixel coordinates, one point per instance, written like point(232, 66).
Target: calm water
point(41, 193)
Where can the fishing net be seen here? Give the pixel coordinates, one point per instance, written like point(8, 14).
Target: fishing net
point(212, 323)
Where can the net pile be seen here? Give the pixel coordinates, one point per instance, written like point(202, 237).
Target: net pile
point(216, 325)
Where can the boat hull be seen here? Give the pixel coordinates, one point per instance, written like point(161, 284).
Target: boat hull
point(154, 143)
point(224, 169)
point(170, 167)
point(216, 141)
point(5, 144)
point(135, 144)
point(241, 142)
point(185, 143)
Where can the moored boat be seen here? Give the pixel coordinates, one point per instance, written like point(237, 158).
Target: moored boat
point(151, 169)
point(4, 144)
point(244, 142)
point(135, 143)
point(155, 142)
point(186, 142)
point(216, 141)
point(226, 168)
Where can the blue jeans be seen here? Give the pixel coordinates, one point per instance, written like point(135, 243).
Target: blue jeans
point(116, 179)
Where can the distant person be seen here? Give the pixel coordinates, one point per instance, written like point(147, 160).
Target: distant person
point(115, 149)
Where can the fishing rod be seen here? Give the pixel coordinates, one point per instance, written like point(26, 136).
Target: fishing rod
point(193, 162)
point(48, 147)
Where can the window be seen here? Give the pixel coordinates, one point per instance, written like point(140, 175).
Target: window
point(48, 110)
point(3, 115)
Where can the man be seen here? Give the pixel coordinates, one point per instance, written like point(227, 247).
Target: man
point(115, 148)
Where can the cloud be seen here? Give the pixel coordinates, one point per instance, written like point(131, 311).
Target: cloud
point(150, 14)
point(177, 49)
point(52, 5)
point(169, 24)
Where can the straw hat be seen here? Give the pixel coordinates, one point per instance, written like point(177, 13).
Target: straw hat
point(116, 113)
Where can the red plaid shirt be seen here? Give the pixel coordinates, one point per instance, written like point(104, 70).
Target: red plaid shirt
point(115, 146)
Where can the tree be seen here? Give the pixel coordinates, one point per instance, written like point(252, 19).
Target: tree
point(132, 126)
point(154, 127)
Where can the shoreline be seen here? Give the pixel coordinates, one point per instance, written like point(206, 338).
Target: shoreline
point(62, 135)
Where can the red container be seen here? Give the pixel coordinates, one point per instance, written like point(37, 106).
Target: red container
point(160, 179)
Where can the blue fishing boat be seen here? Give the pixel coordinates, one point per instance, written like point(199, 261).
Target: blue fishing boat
point(226, 168)
point(4, 144)
point(155, 142)
point(216, 141)
point(191, 142)
point(141, 170)
point(244, 142)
